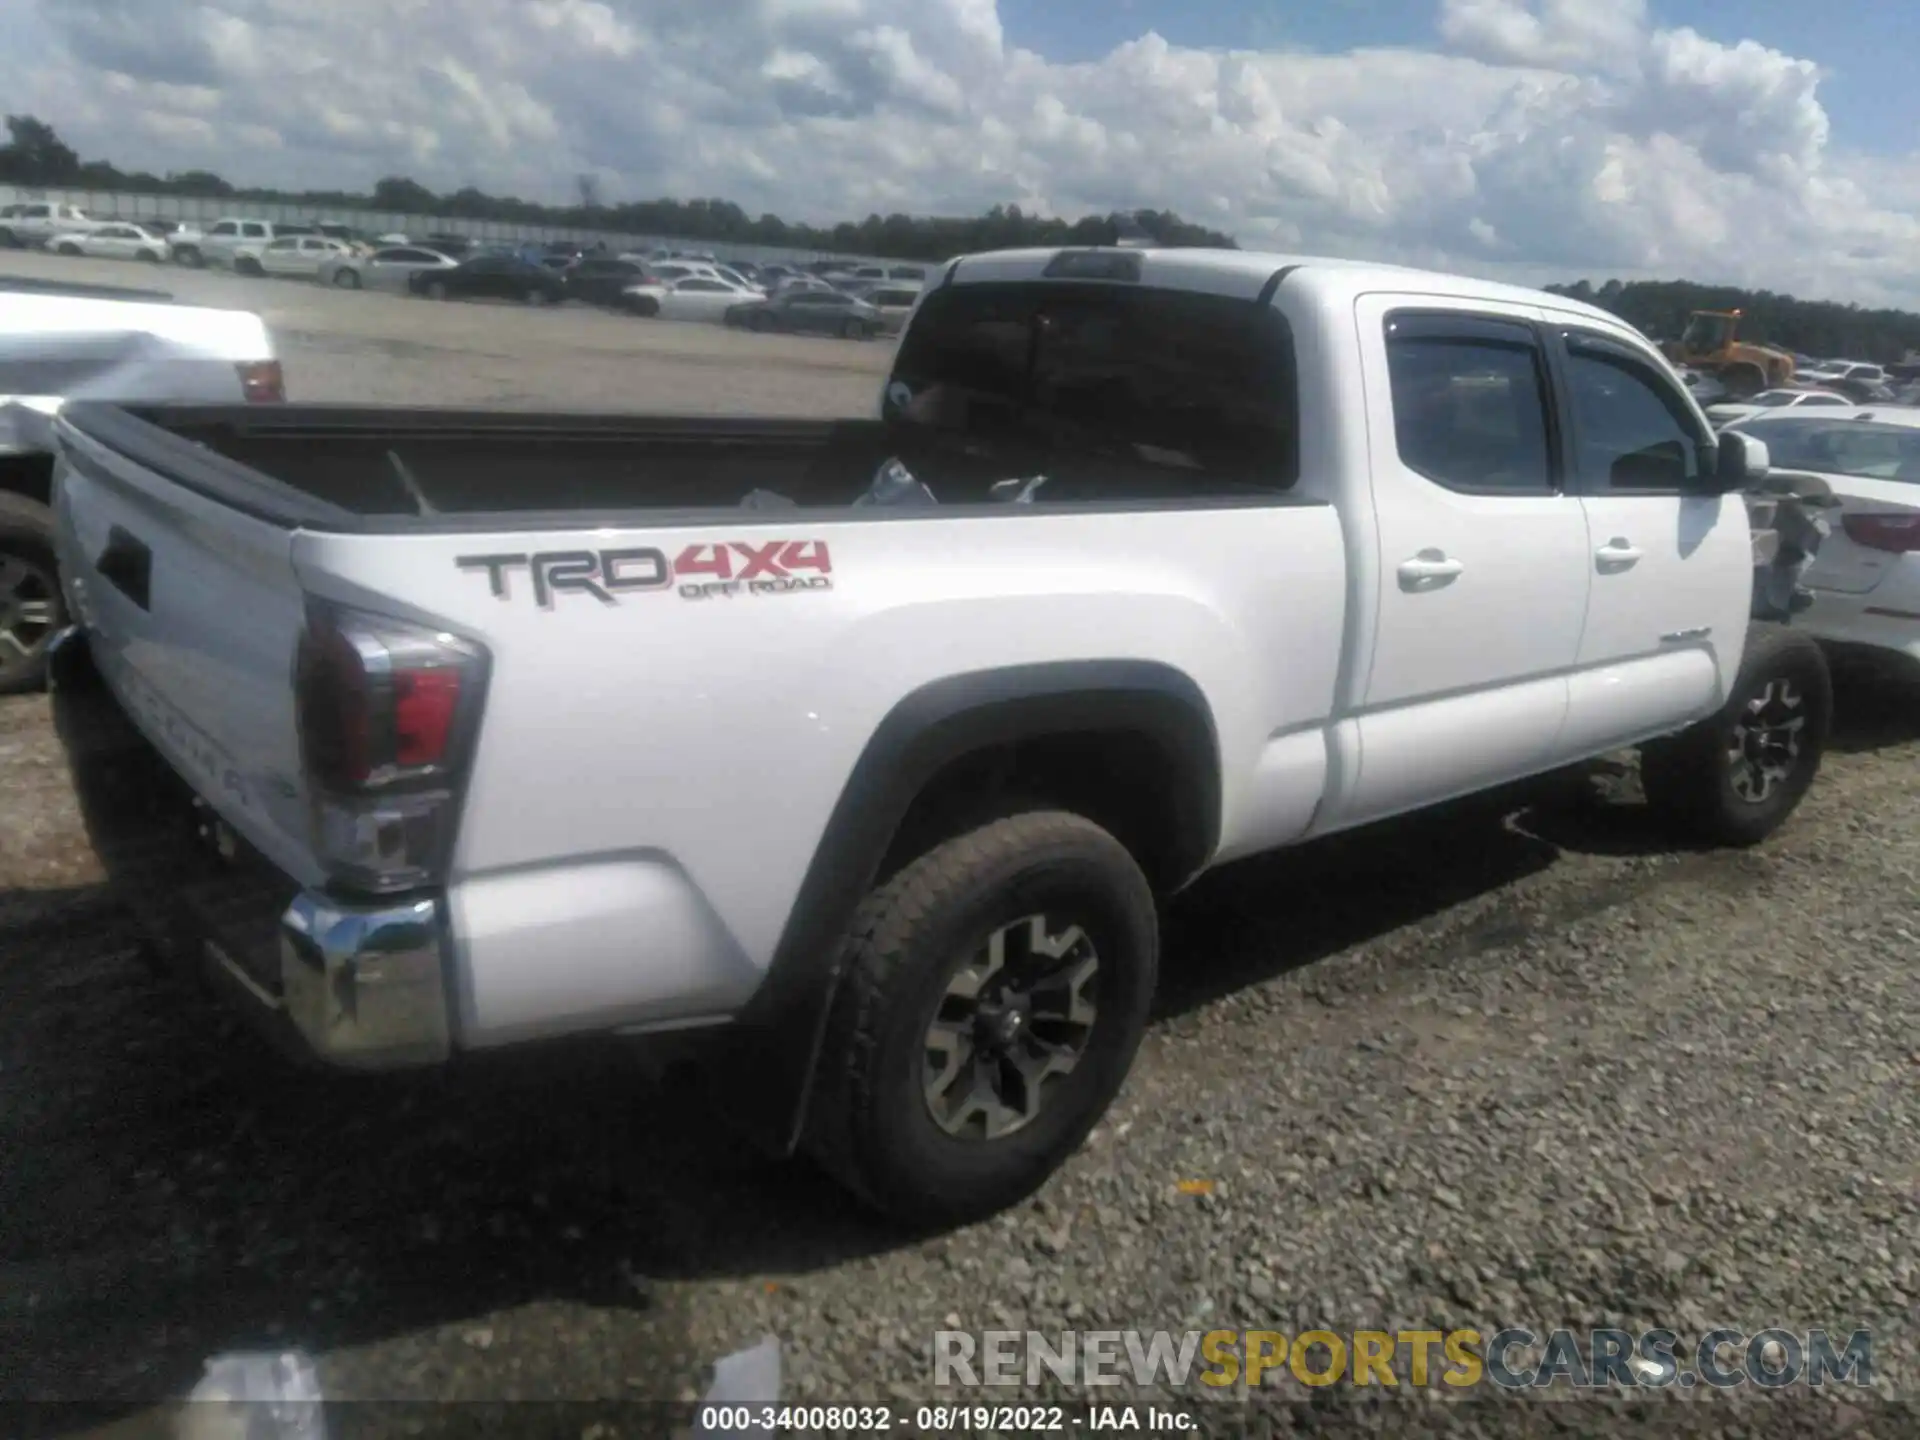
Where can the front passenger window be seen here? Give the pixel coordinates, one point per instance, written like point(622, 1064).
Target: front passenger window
point(1633, 431)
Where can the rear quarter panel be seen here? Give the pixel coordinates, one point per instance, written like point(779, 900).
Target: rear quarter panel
point(654, 776)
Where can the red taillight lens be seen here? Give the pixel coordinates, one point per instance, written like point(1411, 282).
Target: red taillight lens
point(261, 382)
point(1898, 534)
point(424, 705)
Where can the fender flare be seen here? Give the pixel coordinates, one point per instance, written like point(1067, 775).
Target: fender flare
point(771, 1050)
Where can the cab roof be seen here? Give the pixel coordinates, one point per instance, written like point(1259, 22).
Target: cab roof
point(1247, 272)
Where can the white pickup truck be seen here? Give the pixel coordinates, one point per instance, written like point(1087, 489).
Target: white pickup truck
point(61, 342)
point(504, 727)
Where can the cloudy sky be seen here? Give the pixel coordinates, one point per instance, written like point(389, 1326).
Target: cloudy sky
point(1772, 142)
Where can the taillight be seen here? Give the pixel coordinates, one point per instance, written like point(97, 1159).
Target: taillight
point(1898, 533)
point(261, 381)
point(386, 712)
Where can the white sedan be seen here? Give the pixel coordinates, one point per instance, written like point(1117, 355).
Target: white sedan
point(692, 297)
point(1866, 578)
point(112, 241)
point(1725, 412)
point(390, 268)
point(300, 256)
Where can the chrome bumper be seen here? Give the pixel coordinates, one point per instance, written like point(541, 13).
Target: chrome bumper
point(366, 988)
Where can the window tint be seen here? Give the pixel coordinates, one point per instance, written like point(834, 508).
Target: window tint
point(253, 230)
point(704, 287)
point(1823, 400)
point(225, 227)
point(284, 245)
point(1865, 449)
point(1118, 381)
point(1632, 429)
point(1469, 404)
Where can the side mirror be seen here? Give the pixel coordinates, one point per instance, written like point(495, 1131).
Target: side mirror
point(1739, 462)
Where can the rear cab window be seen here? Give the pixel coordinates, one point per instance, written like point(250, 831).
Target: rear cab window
point(1470, 407)
point(1110, 390)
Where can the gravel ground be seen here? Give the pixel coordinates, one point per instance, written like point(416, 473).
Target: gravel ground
point(1515, 1063)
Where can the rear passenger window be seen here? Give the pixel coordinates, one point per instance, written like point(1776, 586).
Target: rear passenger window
point(1632, 430)
point(1470, 404)
point(1106, 388)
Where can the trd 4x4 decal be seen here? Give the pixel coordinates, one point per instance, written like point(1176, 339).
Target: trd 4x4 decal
point(699, 572)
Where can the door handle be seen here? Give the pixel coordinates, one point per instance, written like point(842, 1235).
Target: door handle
point(1618, 554)
point(1428, 569)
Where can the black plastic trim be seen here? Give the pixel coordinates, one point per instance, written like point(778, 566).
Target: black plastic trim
point(143, 437)
point(779, 1033)
point(1273, 284)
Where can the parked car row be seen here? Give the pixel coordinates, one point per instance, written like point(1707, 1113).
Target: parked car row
point(824, 298)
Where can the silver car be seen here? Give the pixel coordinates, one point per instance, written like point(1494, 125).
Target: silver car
point(387, 269)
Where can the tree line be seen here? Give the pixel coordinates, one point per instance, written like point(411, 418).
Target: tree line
point(36, 155)
point(1823, 329)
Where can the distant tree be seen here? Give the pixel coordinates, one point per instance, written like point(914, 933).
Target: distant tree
point(35, 155)
point(589, 187)
point(396, 192)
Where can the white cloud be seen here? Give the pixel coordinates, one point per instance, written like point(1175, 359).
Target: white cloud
point(1540, 139)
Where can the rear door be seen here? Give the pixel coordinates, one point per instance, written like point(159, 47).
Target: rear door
point(1671, 565)
point(1481, 572)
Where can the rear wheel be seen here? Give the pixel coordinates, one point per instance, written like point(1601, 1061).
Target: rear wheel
point(645, 306)
point(152, 257)
point(69, 249)
point(247, 265)
point(347, 279)
point(190, 256)
point(32, 609)
point(1734, 779)
point(994, 995)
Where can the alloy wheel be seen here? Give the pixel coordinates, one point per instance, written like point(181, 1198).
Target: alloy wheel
point(1765, 743)
point(1012, 1024)
point(28, 595)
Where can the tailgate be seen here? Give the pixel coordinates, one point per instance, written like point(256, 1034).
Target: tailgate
point(194, 615)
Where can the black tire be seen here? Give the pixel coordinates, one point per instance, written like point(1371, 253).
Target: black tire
point(645, 306)
point(870, 1122)
point(346, 279)
point(536, 297)
point(190, 256)
point(1693, 780)
point(10, 240)
point(70, 250)
point(152, 257)
point(26, 538)
point(248, 266)
point(759, 320)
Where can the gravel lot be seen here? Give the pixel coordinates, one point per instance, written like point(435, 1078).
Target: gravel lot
point(1515, 1063)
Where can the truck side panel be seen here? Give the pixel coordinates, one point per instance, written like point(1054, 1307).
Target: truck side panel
point(777, 651)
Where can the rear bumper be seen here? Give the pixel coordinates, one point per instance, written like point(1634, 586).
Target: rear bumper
point(361, 987)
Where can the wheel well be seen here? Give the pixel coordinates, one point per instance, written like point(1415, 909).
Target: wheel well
point(1129, 782)
point(28, 475)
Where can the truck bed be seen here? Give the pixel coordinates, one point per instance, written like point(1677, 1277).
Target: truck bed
point(347, 468)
